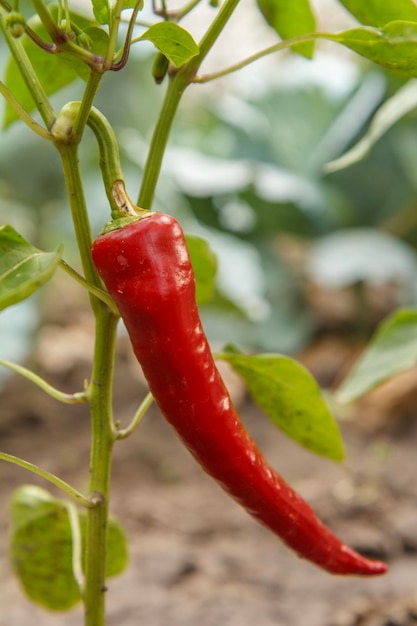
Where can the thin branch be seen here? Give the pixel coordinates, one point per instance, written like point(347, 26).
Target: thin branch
point(95, 291)
point(66, 398)
point(138, 417)
point(61, 484)
point(22, 114)
point(288, 43)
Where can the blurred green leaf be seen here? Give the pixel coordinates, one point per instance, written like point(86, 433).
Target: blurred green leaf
point(23, 268)
point(41, 548)
point(394, 46)
point(392, 350)
point(291, 397)
point(401, 103)
point(52, 72)
point(377, 13)
point(204, 263)
point(173, 41)
point(290, 19)
point(101, 11)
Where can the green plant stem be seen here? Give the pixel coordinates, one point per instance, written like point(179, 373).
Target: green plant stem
point(177, 84)
point(22, 114)
point(186, 9)
point(99, 391)
point(90, 92)
point(48, 21)
point(110, 166)
point(128, 40)
point(114, 31)
point(71, 168)
point(213, 32)
point(66, 398)
point(61, 484)
point(288, 43)
point(123, 433)
point(103, 435)
point(92, 289)
point(28, 75)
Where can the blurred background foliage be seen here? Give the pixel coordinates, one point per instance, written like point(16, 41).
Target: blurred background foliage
point(300, 252)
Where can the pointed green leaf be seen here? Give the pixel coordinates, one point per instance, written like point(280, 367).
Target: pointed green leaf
point(377, 13)
point(41, 548)
point(290, 19)
point(393, 47)
point(392, 350)
point(291, 397)
point(173, 41)
point(204, 263)
point(401, 103)
point(23, 268)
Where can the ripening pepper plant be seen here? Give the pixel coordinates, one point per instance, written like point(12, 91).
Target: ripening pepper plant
point(142, 271)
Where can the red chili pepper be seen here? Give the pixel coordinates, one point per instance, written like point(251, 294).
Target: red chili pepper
point(147, 270)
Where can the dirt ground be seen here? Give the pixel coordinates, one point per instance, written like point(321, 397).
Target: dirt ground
point(195, 557)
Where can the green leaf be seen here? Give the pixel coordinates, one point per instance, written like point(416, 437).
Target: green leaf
point(41, 548)
point(291, 397)
point(393, 47)
point(173, 41)
point(377, 13)
point(23, 268)
point(204, 263)
point(290, 19)
point(401, 103)
point(393, 349)
point(101, 11)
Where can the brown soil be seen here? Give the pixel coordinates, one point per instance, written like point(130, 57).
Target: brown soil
point(195, 557)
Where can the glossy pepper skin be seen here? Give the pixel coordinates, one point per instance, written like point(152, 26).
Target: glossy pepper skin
point(146, 269)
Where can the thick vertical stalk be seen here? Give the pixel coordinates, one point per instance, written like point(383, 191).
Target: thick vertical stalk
point(86, 104)
point(176, 87)
point(159, 140)
point(72, 173)
point(99, 394)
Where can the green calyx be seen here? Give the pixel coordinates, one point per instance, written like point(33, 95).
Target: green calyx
point(123, 222)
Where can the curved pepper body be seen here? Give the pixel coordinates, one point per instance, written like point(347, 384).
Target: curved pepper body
point(147, 270)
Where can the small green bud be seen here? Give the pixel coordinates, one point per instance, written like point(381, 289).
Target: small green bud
point(160, 68)
point(15, 23)
point(84, 41)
